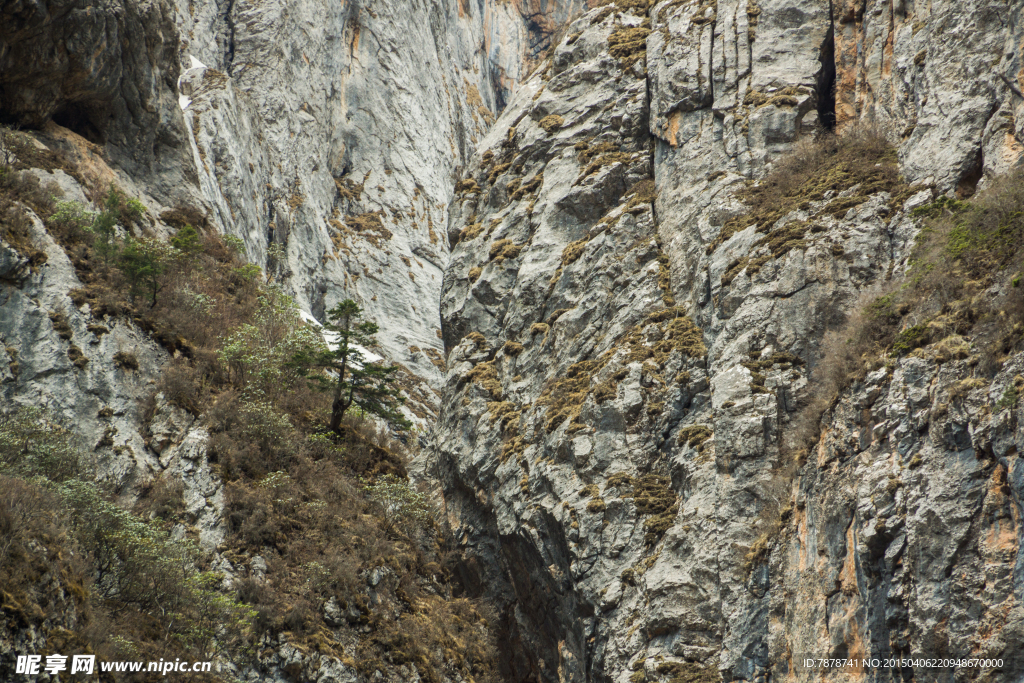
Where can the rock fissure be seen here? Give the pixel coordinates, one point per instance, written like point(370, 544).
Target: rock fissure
point(640, 290)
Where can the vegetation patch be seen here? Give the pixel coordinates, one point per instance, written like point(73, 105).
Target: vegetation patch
point(528, 188)
point(606, 159)
point(498, 171)
point(694, 436)
point(784, 97)
point(573, 251)
point(503, 249)
point(861, 157)
point(551, 123)
point(642, 193)
point(512, 348)
point(348, 189)
point(471, 231)
point(323, 509)
point(486, 375)
point(478, 339)
point(619, 480)
point(628, 44)
point(663, 332)
point(126, 361)
point(370, 227)
point(688, 672)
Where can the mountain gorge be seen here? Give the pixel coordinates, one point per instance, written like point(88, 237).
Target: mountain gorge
point(707, 314)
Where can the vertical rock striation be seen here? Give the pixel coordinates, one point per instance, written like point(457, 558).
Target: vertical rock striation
point(329, 137)
point(621, 387)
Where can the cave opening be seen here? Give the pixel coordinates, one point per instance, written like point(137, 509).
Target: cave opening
point(968, 183)
point(826, 80)
point(76, 118)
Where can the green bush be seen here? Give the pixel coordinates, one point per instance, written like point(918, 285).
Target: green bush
point(33, 445)
point(104, 227)
point(143, 262)
point(133, 209)
point(72, 216)
point(398, 504)
point(137, 564)
point(187, 240)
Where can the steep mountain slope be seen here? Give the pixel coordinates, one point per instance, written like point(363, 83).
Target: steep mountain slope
point(627, 311)
point(326, 136)
point(628, 466)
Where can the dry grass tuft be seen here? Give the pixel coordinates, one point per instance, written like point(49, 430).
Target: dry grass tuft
point(628, 44)
point(551, 123)
point(860, 156)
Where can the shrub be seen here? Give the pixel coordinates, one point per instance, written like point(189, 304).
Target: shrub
point(143, 262)
point(126, 360)
point(33, 445)
point(104, 227)
point(187, 240)
point(551, 123)
point(398, 504)
point(257, 353)
point(182, 386)
point(72, 218)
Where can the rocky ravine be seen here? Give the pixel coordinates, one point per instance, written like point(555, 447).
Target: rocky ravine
point(322, 136)
point(621, 368)
point(622, 374)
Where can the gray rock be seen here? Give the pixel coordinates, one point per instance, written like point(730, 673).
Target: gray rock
point(541, 514)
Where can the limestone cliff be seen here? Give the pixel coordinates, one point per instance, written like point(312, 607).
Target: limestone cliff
point(627, 358)
point(612, 274)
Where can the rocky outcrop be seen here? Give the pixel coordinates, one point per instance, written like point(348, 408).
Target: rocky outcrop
point(905, 536)
point(329, 137)
point(617, 487)
point(61, 358)
point(107, 71)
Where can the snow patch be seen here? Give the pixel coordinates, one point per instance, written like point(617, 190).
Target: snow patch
point(331, 338)
point(183, 99)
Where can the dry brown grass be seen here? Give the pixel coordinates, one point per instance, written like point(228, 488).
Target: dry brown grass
point(294, 494)
point(859, 156)
point(628, 44)
point(964, 250)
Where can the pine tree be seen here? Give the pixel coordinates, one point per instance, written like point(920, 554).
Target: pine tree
point(104, 227)
point(355, 381)
point(143, 262)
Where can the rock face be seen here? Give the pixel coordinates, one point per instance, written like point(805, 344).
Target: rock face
point(58, 358)
point(329, 136)
point(619, 363)
point(621, 380)
point(107, 71)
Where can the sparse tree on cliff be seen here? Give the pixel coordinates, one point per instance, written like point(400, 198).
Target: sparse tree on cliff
point(342, 369)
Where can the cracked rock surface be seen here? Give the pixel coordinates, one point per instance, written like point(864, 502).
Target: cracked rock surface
point(622, 370)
